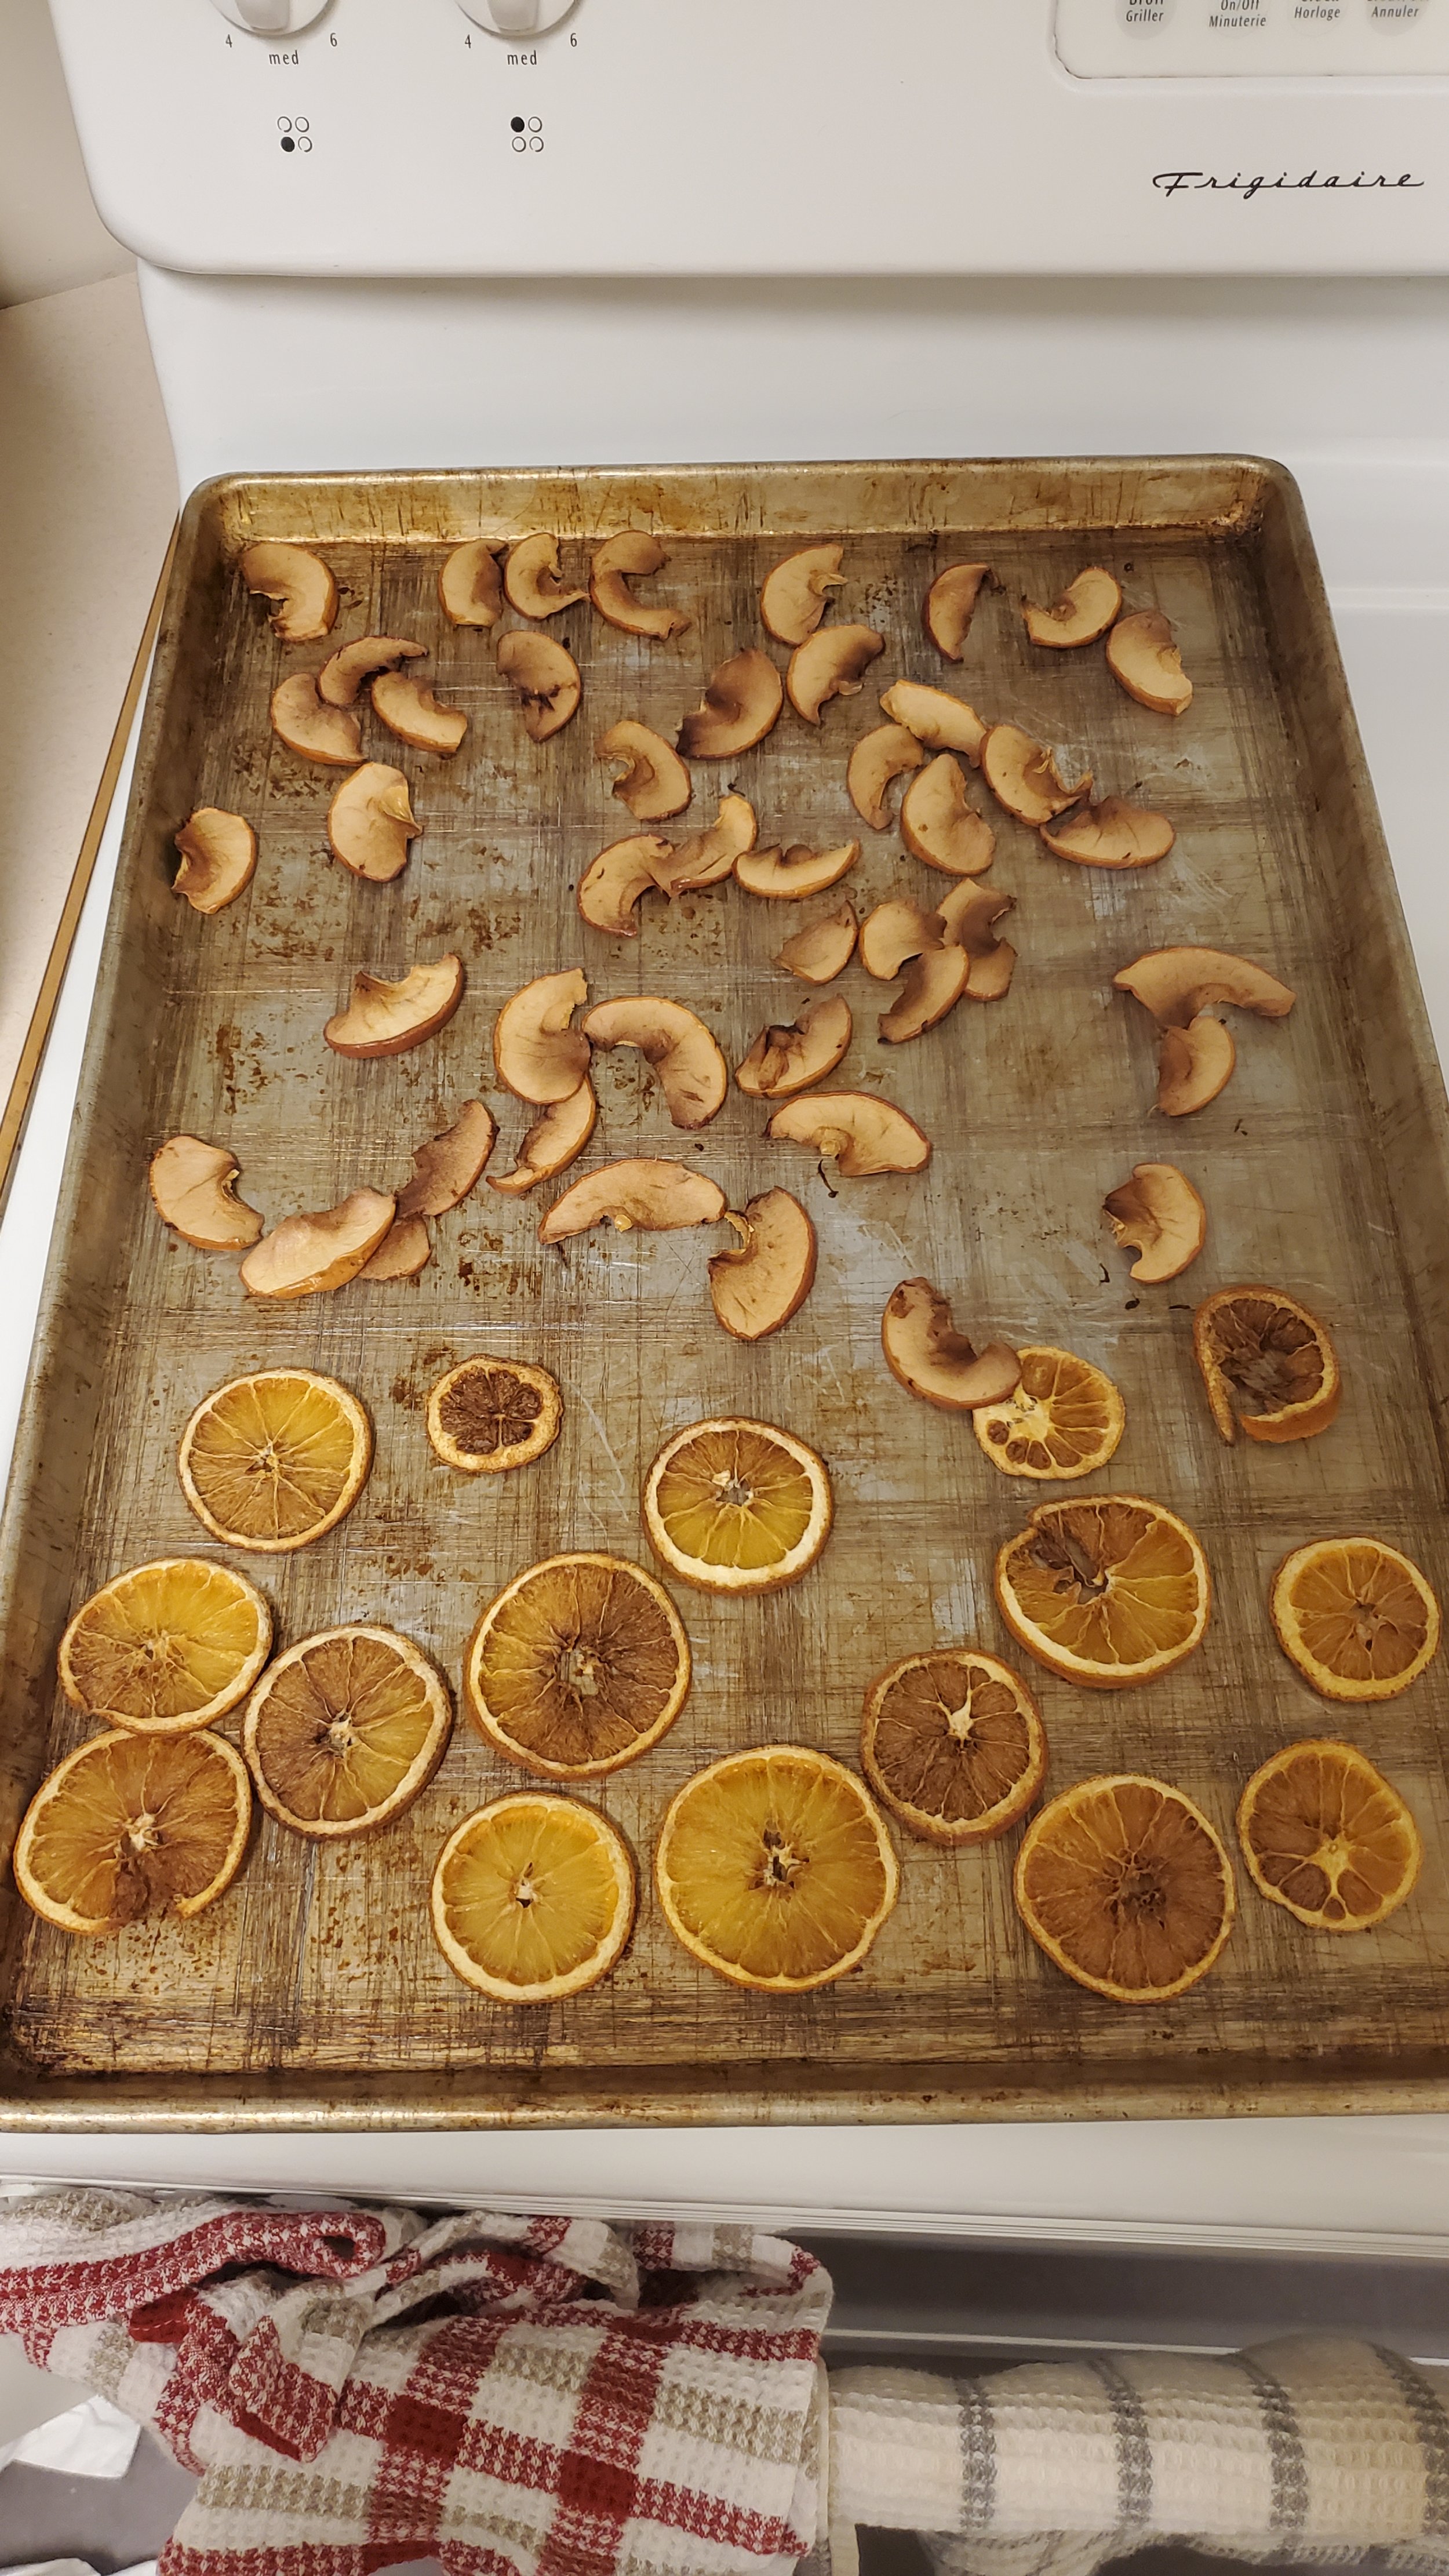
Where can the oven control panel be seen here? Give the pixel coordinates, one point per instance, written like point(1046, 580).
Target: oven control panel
point(529, 138)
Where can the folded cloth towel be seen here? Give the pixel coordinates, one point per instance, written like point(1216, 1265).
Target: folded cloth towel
point(359, 2387)
point(1314, 2450)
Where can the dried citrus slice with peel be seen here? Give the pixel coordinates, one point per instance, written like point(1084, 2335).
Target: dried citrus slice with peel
point(533, 1898)
point(488, 1415)
point(1126, 1885)
point(273, 1461)
point(1267, 1364)
point(1063, 1418)
point(130, 1826)
point(345, 1730)
point(1328, 1836)
point(954, 1744)
point(1357, 1618)
point(734, 1506)
point(167, 1647)
point(1108, 1591)
point(580, 1665)
point(775, 1869)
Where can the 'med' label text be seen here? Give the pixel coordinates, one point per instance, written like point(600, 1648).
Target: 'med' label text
point(1176, 183)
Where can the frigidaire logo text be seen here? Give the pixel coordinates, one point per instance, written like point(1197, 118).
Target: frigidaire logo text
point(1174, 183)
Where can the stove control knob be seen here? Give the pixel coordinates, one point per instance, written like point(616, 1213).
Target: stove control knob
point(271, 17)
point(516, 17)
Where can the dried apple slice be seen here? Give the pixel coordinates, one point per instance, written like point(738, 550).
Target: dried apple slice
point(1175, 984)
point(829, 665)
point(545, 680)
point(939, 721)
point(331, 735)
point(300, 583)
point(741, 702)
point(387, 1019)
point(940, 826)
point(795, 594)
point(555, 1141)
point(712, 854)
point(470, 584)
point(416, 716)
point(1023, 775)
point(823, 949)
point(218, 859)
point(968, 916)
point(306, 1254)
point(693, 1074)
point(879, 758)
point(531, 578)
point(537, 1051)
point(1193, 1065)
point(950, 604)
point(934, 984)
point(370, 823)
point(1113, 834)
point(352, 665)
point(632, 556)
point(613, 882)
point(894, 933)
point(654, 781)
point(645, 1194)
point(854, 1130)
point(1142, 655)
point(405, 1249)
point(447, 1167)
point(783, 1061)
point(193, 1185)
point(759, 1285)
point(1159, 1213)
point(787, 876)
point(924, 1351)
point(1084, 611)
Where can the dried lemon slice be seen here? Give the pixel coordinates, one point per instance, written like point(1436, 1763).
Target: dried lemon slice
point(167, 1647)
point(345, 1730)
point(1126, 1885)
point(533, 1898)
point(1357, 1618)
point(1109, 1591)
point(274, 1461)
point(775, 1869)
point(1266, 1363)
point(131, 1826)
point(1063, 1418)
point(954, 1743)
point(488, 1415)
point(735, 1506)
point(1328, 1836)
point(579, 1666)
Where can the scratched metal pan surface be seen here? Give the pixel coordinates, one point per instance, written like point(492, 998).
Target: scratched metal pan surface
point(313, 1994)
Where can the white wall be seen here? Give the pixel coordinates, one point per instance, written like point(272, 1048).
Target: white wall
point(50, 234)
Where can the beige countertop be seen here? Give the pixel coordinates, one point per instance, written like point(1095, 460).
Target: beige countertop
point(87, 502)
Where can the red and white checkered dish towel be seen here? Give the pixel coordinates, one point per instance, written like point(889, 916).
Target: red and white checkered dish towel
point(508, 2395)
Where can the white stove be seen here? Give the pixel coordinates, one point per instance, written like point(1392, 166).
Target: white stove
point(462, 232)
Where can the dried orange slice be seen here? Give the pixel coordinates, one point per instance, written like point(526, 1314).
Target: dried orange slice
point(1108, 1591)
point(131, 1826)
point(345, 1730)
point(1126, 1885)
point(533, 1898)
point(579, 1666)
point(1328, 1836)
point(273, 1462)
point(954, 1744)
point(1063, 1418)
point(735, 1506)
point(1267, 1364)
point(488, 1415)
point(167, 1647)
point(775, 1869)
point(1357, 1618)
